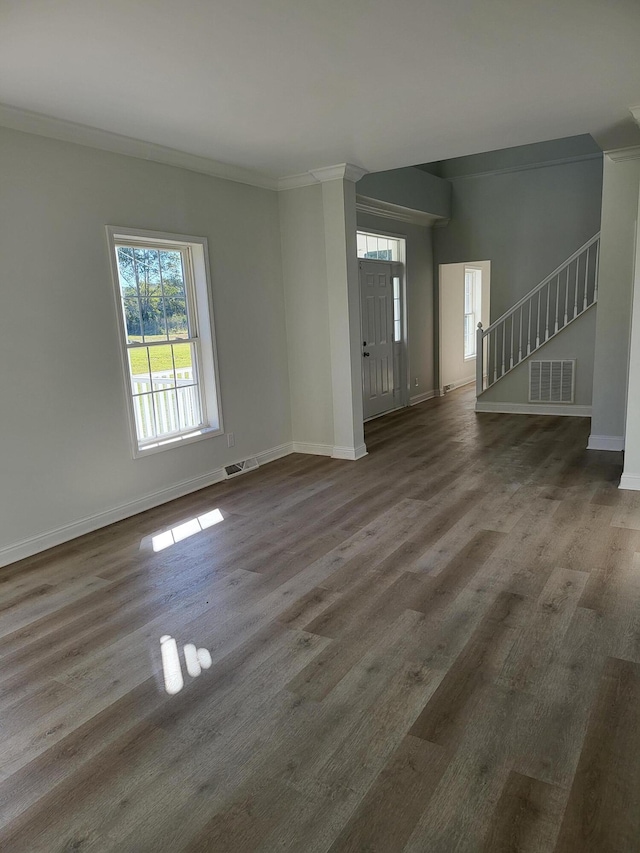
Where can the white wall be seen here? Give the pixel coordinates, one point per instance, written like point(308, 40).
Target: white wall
point(419, 306)
point(615, 284)
point(307, 309)
point(65, 446)
point(455, 370)
point(631, 475)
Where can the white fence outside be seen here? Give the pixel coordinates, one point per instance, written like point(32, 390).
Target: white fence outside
point(168, 409)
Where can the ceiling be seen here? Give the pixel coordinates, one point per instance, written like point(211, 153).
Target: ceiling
point(284, 86)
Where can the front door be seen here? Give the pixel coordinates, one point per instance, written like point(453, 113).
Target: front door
point(376, 295)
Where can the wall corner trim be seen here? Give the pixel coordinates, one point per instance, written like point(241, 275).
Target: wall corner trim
point(313, 449)
point(605, 442)
point(631, 482)
point(352, 453)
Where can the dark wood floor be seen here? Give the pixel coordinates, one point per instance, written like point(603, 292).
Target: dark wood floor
point(436, 648)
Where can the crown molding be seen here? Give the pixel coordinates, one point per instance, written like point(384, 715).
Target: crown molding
point(93, 137)
point(526, 167)
point(620, 154)
point(341, 171)
point(376, 207)
point(292, 182)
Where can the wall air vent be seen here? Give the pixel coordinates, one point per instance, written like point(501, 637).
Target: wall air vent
point(241, 467)
point(552, 381)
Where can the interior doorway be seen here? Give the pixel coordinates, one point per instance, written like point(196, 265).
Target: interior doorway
point(465, 295)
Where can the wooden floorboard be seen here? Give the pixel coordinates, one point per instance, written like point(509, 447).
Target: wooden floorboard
point(436, 648)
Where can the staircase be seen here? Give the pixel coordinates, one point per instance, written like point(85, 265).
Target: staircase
point(543, 313)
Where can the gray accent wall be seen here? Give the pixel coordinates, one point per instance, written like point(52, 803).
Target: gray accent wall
point(410, 188)
point(576, 341)
point(525, 221)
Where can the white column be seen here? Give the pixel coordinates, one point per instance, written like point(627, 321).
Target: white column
point(631, 475)
point(343, 293)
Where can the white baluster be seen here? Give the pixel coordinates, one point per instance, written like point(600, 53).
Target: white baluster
point(595, 285)
point(566, 298)
point(503, 336)
point(586, 280)
point(546, 328)
point(557, 309)
point(511, 347)
point(538, 323)
point(495, 354)
point(575, 299)
point(520, 338)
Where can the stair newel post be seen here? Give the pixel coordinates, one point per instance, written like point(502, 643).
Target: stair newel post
point(495, 354)
point(557, 308)
point(479, 359)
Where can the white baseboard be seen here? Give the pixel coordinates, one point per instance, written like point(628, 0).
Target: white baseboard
point(352, 453)
point(630, 481)
point(29, 547)
point(534, 409)
point(313, 449)
point(44, 541)
point(605, 442)
point(453, 386)
point(275, 453)
point(422, 398)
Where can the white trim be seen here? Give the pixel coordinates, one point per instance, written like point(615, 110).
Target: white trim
point(292, 182)
point(619, 154)
point(525, 167)
point(352, 453)
point(630, 481)
point(386, 210)
point(605, 442)
point(469, 380)
point(313, 449)
point(274, 453)
point(28, 547)
point(105, 140)
point(534, 409)
point(422, 398)
point(339, 172)
point(199, 310)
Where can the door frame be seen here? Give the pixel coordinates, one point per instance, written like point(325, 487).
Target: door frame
point(403, 349)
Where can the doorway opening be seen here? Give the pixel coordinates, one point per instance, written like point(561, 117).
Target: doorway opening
point(464, 291)
point(385, 381)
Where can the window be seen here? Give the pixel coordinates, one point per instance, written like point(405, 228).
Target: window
point(376, 247)
point(397, 310)
point(472, 303)
point(168, 346)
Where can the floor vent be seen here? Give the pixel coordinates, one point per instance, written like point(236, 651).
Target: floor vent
point(241, 467)
point(552, 381)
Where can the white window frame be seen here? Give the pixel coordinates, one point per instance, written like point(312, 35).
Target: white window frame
point(196, 252)
point(476, 300)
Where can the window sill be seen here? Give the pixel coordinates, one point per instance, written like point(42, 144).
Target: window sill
point(172, 442)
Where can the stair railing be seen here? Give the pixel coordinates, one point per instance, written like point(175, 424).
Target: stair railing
point(547, 309)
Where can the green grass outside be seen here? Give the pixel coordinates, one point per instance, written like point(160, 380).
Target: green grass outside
point(160, 357)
